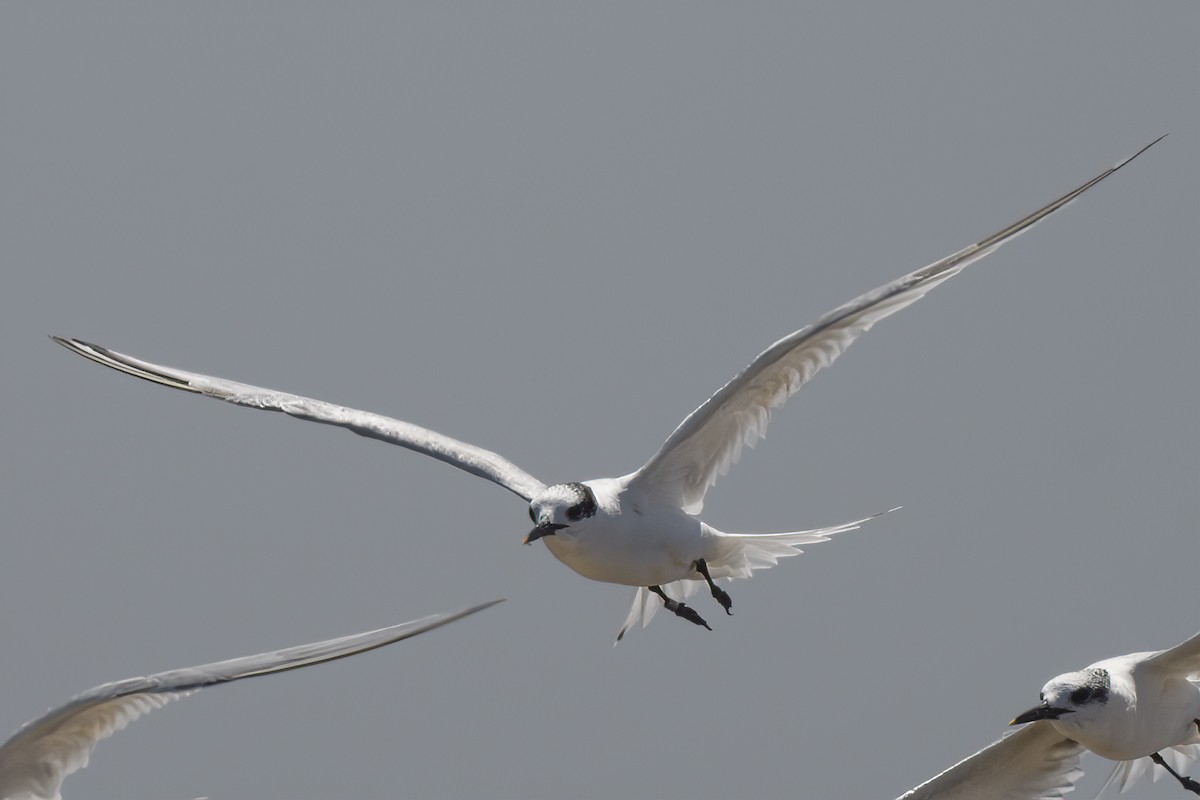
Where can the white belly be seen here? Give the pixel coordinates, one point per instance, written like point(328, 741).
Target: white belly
point(633, 549)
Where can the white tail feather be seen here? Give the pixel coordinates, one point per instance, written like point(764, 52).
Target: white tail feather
point(734, 555)
point(737, 555)
point(645, 603)
point(1126, 773)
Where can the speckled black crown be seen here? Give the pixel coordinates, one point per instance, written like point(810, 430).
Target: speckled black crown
point(1094, 689)
point(585, 504)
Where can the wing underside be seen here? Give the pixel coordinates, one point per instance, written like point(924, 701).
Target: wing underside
point(710, 440)
point(1034, 763)
point(467, 457)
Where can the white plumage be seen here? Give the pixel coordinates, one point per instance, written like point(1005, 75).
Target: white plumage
point(640, 529)
point(36, 759)
point(1130, 709)
point(1034, 763)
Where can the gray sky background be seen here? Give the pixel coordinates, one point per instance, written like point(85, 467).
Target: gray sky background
point(552, 230)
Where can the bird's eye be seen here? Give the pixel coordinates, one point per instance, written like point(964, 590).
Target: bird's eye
point(532, 516)
point(584, 508)
point(1081, 696)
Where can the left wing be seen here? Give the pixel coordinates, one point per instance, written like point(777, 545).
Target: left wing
point(1035, 763)
point(710, 439)
point(36, 759)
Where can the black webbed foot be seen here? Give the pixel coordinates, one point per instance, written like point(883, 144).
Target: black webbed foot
point(687, 612)
point(718, 593)
point(679, 609)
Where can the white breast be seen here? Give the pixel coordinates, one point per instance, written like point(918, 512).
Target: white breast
point(630, 543)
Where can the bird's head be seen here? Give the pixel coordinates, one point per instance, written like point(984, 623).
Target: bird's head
point(1079, 694)
point(559, 509)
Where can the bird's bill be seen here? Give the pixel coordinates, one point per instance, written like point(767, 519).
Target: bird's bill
point(1044, 711)
point(545, 529)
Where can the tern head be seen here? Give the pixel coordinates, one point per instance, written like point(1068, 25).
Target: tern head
point(560, 507)
point(1079, 694)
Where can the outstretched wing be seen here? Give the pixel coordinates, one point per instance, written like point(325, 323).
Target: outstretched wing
point(710, 439)
point(1183, 659)
point(35, 760)
point(474, 460)
point(1035, 763)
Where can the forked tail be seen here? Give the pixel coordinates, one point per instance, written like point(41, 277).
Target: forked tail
point(735, 555)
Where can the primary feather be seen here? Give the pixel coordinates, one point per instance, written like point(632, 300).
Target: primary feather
point(467, 457)
point(36, 759)
point(1035, 763)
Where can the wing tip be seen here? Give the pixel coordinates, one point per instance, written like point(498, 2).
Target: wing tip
point(1123, 162)
point(165, 376)
point(66, 342)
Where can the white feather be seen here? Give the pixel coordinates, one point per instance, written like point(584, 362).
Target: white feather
point(36, 759)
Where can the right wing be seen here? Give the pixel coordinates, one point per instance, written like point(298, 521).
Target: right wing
point(1182, 659)
point(1035, 763)
point(36, 759)
point(470, 458)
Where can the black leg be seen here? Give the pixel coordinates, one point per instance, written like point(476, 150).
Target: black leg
point(1184, 781)
point(678, 608)
point(720, 594)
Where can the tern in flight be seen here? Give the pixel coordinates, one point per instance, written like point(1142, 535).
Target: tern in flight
point(640, 529)
point(36, 759)
point(1131, 709)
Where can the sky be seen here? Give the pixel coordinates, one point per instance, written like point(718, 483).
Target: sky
point(552, 230)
